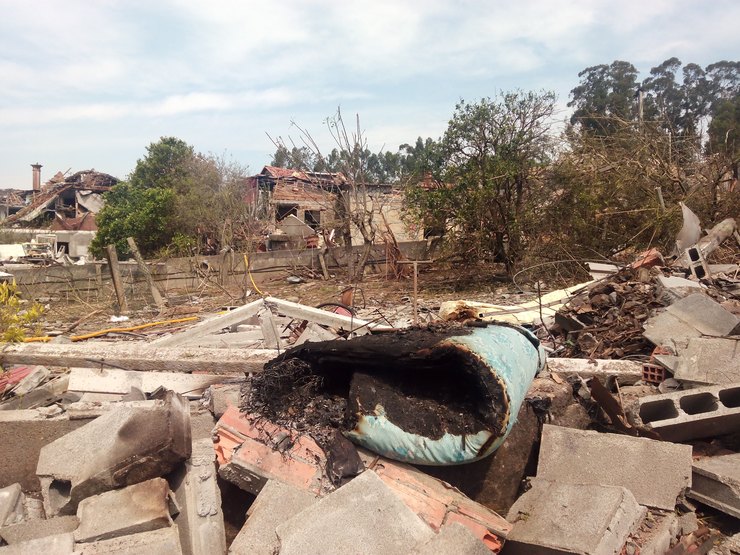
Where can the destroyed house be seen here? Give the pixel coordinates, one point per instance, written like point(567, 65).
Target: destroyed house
point(64, 203)
point(299, 201)
point(12, 201)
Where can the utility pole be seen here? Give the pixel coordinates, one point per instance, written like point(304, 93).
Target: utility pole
point(640, 98)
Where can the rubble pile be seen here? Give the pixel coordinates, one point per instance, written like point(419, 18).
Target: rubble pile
point(605, 321)
point(278, 428)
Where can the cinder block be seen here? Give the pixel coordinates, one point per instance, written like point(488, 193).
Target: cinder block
point(162, 541)
point(11, 505)
point(453, 539)
point(122, 447)
point(138, 508)
point(39, 528)
point(275, 504)
point(365, 512)
point(559, 518)
point(690, 414)
point(716, 482)
point(23, 433)
point(201, 519)
point(656, 472)
point(60, 544)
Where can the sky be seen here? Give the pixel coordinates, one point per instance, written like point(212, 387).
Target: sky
point(90, 83)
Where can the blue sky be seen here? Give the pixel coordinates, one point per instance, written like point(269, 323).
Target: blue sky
point(90, 83)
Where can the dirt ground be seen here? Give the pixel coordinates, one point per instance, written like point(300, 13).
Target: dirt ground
point(374, 295)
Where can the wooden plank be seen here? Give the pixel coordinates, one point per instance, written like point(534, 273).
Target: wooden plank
point(212, 325)
point(115, 272)
point(331, 319)
point(135, 355)
point(156, 293)
point(111, 380)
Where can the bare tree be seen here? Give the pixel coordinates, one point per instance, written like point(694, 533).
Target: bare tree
point(355, 205)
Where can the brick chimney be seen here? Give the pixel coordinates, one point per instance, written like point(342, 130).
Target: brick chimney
point(36, 176)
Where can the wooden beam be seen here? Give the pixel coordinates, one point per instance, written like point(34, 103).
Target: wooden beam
point(135, 355)
point(212, 325)
point(115, 272)
point(156, 293)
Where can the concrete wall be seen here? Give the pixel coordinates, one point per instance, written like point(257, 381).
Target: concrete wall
point(91, 283)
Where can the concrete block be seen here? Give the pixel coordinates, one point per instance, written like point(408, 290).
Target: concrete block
point(558, 518)
point(60, 544)
point(275, 504)
point(655, 472)
point(453, 539)
point(716, 482)
point(11, 505)
point(122, 447)
point(40, 528)
point(110, 380)
point(673, 288)
point(201, 519)
point(223, 396)
point(138, 508)
point(362, 516)
point(625, 371)
point(690, 414)
point(709, 360)
point(23, 433)
point(162, 541)
point(656, 535)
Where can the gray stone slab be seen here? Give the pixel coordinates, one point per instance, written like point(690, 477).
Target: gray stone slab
point(453, 539)
point(122, 447)
point(716, 482)
point(23, 433)
point(708, 360)
point(40, 528)
point(138, 508)
point(164, 541)
point(363, 517)
point(704, 314)
point(692, 316)
point(673, 288)
point(201, 519)
point(655, 472)
point(11, 505)
point(667, 329)
point(222, 396)
point(690, 414)
point(275, 504)
point(60, 544)
point(558, 518)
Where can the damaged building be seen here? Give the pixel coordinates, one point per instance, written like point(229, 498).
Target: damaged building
point(60, 212)
point(304, 208)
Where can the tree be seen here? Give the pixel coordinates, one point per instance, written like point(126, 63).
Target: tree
point(178, 197)
point(604, 93)
point(493, 150)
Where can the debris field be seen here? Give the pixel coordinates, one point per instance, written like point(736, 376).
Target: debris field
point(599, 419)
